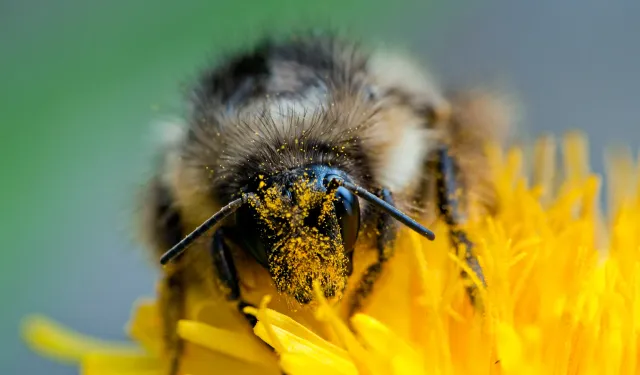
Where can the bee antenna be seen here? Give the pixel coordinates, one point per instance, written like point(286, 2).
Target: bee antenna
point(388, 208)
point(223, 213)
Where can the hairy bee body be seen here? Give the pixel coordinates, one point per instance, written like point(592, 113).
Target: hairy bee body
point(374, 115)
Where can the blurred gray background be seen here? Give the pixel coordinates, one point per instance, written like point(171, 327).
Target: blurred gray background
point(82, 81)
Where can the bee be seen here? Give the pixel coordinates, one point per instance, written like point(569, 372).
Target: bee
point(298, 151)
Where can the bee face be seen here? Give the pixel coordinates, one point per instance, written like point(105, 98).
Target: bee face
point(300, 229)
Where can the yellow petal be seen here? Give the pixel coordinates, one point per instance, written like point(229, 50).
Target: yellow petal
point(384, 343)
point(108, 364)
point(300, 364)
point(364, 361)
point(233, 344)
point(509, 348)
point(145, 325)
point(56, 341)
point(285, 324)
point(292, 344)
point(92, 370)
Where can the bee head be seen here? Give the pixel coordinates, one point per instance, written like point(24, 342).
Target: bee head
point(301, 228)
point(301, 225)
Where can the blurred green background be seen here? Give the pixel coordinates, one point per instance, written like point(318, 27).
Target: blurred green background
point(82, 83)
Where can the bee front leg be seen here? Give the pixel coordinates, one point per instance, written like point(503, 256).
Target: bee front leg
point(224, 265)
point(171, 301)
point(448, 204)
point(385, 237)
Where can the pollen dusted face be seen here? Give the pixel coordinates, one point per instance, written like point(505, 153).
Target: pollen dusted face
point(303, 238)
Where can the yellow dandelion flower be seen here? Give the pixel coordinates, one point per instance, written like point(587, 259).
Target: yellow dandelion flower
point(562, 296)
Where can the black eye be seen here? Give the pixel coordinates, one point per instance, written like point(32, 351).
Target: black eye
point(249, 234)
point(348, 213)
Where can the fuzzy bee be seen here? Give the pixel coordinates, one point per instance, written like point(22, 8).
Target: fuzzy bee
point(297, 153)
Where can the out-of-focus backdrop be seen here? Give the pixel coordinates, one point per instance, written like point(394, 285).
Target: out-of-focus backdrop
point(81, 83)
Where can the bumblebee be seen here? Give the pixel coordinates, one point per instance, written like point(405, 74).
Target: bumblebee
point(296, 152)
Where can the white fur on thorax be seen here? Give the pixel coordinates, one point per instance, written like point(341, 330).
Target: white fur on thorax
point(391, 69)
point(403, 162)
point(307, 105)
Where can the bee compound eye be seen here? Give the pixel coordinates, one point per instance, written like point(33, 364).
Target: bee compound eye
point(249, 234)
point(347, 210)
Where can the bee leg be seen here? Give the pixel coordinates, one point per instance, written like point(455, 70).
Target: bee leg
point(167, 230)
point(447, 191)
point(171, 300)
point(385, 236)
point(227, 273)
point(223, 262)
